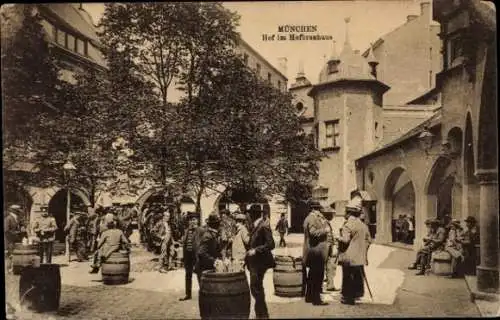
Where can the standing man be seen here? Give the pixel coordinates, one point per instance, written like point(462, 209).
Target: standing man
point(189, 255)
point(125, 220)
point(241, 240)
point(470, 241)
point(259, 259)
point(282, 228)
point(331, 263)
point(165, 233)
point(411, 230)
point(316, 251)
point(210, 246)
point(11, 231)
point(45, 228)
point(356, 236)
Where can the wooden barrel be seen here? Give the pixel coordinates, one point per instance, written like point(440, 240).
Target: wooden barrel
point(40, 287)
point(287, 276)
point(23, 256)
point(441, 263)
point(116, 269)
point(224, 295)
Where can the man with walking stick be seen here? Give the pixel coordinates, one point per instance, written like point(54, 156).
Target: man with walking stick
point(356, 236)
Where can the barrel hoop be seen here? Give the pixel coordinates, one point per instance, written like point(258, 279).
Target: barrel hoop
point(115, 274)
point(288, 285)
point(117, 262)
point(225, 280)
point(224, 295)
point(286, 271)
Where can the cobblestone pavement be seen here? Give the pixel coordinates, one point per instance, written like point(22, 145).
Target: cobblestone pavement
point(152, 295)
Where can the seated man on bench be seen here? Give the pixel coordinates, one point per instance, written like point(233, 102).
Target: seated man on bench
point(433, 241)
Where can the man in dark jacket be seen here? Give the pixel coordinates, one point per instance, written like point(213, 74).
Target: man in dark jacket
point(282, 228)
point(316, 246)
point(210, 247)
point(259, 259)
point(189, 253)
point(11, 230)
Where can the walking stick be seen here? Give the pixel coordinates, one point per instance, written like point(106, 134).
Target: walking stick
point(366, 281)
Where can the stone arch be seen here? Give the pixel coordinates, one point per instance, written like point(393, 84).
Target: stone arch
point(454, 138)
point(57, 206)
point(470, 195)
point(441, 189)
point(399, 198)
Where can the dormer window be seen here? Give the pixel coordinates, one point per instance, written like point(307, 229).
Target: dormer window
point(299, 106)
point(333, 67)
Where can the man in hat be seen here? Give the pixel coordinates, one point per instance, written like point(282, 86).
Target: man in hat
point(189, 254)
point(282, 228)
point(11, 228)
point(241, 239)
point(76, 230)
point(331, 263)
point(470, 241)
point(432, 242)
point(259, 259)
point(356, 235)
point(454, 246)
point(315, 252)
point(210, 246)
point(165, 234)
point(45, 229)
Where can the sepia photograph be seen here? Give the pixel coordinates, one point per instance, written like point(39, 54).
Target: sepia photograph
point(250, 159)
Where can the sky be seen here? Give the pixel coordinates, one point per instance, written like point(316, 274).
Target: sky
point(369, 20)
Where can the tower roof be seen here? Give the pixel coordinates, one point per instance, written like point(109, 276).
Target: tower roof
point(351, 65)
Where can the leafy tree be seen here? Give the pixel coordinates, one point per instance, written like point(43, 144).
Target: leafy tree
point(29, 79)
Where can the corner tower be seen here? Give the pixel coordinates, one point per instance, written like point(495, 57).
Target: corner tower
point(302, 102)
point(347, 119)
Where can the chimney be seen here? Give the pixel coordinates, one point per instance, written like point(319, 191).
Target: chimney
point(411, 17)
point(282, 65)
point(425, 8)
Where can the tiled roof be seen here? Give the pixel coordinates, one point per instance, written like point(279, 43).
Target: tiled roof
point(431, 122)
point(73, 18)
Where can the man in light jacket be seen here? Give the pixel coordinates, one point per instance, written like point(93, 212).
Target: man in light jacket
point(356, 236)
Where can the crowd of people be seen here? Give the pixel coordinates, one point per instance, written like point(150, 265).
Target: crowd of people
point(449, 236)
point(404, 229)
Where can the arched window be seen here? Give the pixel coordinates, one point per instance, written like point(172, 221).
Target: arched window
point(299, 106)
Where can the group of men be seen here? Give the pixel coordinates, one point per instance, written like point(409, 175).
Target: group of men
point(84, 228)
point(246, 239)
point(322, 251)
point(404, 229)
point(451, 237)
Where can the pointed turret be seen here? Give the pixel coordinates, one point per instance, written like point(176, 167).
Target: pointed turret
point(301, 79)
point(347, 44)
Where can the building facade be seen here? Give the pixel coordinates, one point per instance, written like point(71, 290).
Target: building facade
point(451, 159)
point(414, 47)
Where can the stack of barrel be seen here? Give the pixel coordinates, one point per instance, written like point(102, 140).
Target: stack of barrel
point(224, 295)
point(287, 276)
point(23, 256)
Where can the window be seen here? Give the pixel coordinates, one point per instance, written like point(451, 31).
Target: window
point(269, 77)
point(332, 134)
point(245, 58)
point(299, 106)
point(258, 68)
point(316, 136)
point(70, 42)
point(80, 48)
point(320, 193)
point(332, 67)
point(455, 46)
point(61, 37)
point(376, 129)
point(279, 84)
